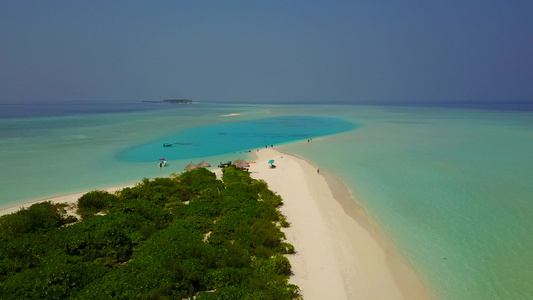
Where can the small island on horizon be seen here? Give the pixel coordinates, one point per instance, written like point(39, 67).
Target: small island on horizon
point(173, 101)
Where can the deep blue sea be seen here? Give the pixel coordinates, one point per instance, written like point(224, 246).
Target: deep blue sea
point(60, 109)
point(450, 184)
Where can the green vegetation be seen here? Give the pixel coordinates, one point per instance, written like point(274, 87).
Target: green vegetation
point(168, 238)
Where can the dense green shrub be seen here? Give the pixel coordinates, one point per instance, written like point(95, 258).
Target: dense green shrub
point(200, 179)
point(167, 238)
point(39, 216)
point(94, 202)
point(269, 197)
point(149, 212)
point(55, 280)
point(233, 175)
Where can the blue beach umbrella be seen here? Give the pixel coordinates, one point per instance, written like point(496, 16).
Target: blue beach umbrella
point(271, 161)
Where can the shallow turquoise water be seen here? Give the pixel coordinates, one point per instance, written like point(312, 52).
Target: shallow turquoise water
point(236, 136)
point(452, 188)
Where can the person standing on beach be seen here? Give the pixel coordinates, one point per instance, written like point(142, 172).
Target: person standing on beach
point(318, 171)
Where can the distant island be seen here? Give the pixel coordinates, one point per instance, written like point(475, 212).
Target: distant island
point(174, 101)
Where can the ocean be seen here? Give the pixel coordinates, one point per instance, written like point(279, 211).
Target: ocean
point(450, 186)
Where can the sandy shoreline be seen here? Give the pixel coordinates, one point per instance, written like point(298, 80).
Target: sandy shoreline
point(70, 198)
point(341, 253)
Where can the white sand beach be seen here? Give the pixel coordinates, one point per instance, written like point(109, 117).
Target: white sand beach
point(339, 256)
point(340, 253)
point(71, 198)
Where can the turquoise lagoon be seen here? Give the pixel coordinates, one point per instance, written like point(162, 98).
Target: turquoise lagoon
point(231, 137)
point(451, 187)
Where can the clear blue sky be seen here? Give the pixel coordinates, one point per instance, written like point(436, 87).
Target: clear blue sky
point(266, 51)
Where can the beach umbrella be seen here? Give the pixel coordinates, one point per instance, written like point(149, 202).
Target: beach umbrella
point(191, 166)
point(204, 164)
point(271, 161)
point(240, 163)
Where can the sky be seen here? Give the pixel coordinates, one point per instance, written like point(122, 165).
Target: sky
point(266, 51)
